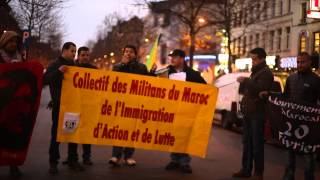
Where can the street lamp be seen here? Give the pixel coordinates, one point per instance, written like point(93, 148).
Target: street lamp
point(146, 40)
point(105, 56)
point(112, 54)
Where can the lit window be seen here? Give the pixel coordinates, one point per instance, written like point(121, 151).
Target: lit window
point(303, 43)
point(317, 42)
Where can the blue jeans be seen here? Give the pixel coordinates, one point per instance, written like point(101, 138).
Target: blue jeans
point(118, 151)
point(310, 163)
point(180, 158)
point(253, 144)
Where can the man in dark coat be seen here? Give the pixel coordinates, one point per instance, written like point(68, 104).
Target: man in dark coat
point(53, 77)
point(302, 86)
point(81, 61)
point(180, 160)
point(128, 64)
point(253, 107)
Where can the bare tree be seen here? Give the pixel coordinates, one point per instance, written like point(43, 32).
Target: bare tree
point(193, 14)
point(37, 15)
point(240, 14)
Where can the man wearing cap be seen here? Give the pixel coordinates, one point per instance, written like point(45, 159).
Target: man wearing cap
point(178, 65)
point(10, 46)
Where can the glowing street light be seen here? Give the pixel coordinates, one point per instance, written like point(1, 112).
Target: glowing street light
point(105, 56)
point(112, 54)
point(146, 40)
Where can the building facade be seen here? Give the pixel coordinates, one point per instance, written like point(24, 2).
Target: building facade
point(281, 27)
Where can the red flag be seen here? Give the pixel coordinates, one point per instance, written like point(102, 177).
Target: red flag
point(20, 92)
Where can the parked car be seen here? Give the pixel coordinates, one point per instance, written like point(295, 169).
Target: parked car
point(228, 111)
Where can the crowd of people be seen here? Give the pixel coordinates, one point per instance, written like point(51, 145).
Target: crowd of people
point(303, 85)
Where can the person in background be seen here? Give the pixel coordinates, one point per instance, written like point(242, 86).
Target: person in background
point(178, 64)
point(53, 77)
point(129, 64)
point(253, 107)
point(302, 86)
point(81, 61)
point(10, 52)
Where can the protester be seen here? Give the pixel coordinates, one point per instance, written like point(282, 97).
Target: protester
point(253, 107)
point(10, 52)
point(302, 86)
point(129, 64)
point(82, 61)
point(53, 77)
point(180, 160)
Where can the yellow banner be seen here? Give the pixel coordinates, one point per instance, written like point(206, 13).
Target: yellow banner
point(112, 108)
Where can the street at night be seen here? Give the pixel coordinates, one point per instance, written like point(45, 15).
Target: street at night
point(223, 159)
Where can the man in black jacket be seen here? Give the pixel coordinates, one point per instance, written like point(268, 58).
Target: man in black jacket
point(82, 61)
point(53, 77)
point(178, 64)
point(128, 64)
point(260, 80)
point(303, 86)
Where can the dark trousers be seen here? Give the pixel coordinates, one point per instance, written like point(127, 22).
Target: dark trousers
point(54, 154)
point(73, 154)
point(180, 158)
point(253, 144)
point(310, 163)
point(119, 151)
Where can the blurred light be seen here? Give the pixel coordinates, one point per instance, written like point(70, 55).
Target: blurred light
point(313, 69)
point(113, 61)
point(196, 67)
point(201, 20)
point(99, 59)
point(112, 54)
point(202, 57)
point(224, 31)
point(146, 40)
point(95, 60)
point(105, 56)
point(276, 69)
point(106, 63)
point(4, 31)
point(148, 56)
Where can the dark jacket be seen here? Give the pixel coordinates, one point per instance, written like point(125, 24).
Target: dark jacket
point(85, 65)
point(53, 77)
point(303, 87)
point(192, 75)
point(261, 79)
point(133, 67)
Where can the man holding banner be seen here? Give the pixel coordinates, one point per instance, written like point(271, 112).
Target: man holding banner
point(128, 64)
point(81, 61)
point(10, 46)
point(303, 86)
point(53, 77)
point(179, 70)
point(20, 92)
